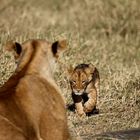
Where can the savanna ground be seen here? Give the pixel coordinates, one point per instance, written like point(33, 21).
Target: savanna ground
point(103, 32)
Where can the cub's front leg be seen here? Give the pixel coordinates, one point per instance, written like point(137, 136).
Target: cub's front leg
point(91, 103)
point(77, 99)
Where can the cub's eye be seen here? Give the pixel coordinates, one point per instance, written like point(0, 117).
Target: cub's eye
point(84, 81)
point(73, 81)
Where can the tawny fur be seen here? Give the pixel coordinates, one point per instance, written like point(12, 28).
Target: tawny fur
point(31, 106)
point(84, 82)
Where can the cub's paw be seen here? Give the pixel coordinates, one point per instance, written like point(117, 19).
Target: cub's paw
point(87, 108)
point(81, 113)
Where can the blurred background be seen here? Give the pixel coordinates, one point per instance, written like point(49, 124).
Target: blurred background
point(103, 32)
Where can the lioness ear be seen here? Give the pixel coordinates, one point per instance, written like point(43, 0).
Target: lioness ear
point(18, 48)
point(14, 47)
point(58, 46)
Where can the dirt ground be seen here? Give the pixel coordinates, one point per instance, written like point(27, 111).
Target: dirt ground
point(105, 33)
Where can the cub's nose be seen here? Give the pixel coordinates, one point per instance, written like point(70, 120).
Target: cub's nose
point(78, 90)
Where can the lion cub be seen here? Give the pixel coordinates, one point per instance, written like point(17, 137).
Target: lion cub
point(84, 82)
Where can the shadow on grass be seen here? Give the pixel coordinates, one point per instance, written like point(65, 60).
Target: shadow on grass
point(132, 134)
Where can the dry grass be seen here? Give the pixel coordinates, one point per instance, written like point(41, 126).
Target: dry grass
point(106, 33)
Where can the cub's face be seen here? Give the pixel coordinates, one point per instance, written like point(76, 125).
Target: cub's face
point(78, 81)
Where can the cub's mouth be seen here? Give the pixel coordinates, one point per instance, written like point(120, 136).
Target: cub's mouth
point(78, 93)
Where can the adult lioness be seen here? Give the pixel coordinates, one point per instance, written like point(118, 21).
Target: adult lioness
point(31, 107)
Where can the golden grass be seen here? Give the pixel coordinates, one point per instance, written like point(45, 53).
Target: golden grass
point(105, 33)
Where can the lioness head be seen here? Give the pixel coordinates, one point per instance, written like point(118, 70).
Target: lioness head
point(33, 57)
point(80, 76)
point(36, 52)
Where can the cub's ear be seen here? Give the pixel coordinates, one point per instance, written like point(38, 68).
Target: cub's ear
point(91, 66)
point(58, 47)
point(70, 70)
point(90, 69)
point(14, 47)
